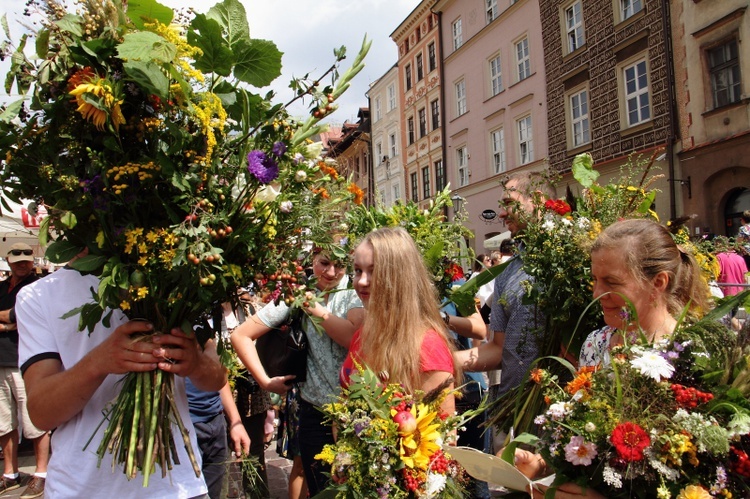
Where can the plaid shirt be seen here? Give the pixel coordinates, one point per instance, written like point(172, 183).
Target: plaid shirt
point(517, 321)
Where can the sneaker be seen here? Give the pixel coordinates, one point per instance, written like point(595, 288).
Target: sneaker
point(8, 484)
point(35, 488)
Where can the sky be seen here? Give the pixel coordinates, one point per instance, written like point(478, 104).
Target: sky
point(306, 32)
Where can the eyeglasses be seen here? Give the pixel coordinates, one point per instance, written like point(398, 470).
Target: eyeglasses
point(20, 252)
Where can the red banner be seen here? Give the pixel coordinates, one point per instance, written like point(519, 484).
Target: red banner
point(30, 221)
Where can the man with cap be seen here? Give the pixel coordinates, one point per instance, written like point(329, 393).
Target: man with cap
point(12, 391)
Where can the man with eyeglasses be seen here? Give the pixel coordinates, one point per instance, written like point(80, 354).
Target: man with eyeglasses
point(12, 390)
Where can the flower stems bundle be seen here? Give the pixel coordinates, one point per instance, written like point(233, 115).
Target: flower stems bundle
point(139, 432)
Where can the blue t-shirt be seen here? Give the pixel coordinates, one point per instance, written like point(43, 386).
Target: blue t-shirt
point(204, 406)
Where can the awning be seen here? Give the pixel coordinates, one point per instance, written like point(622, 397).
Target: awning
point(494, 241)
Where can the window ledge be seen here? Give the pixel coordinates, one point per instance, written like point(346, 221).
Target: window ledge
point(626, 132)
point(726, 107)
point(521, 81)
point(580, 149)
point(570, 55)
point(630, 20)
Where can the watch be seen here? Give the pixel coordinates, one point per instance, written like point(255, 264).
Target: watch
point(446, 318)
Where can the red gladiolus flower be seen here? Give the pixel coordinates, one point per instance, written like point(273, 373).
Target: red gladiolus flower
point(559, 206)
point(629, 440)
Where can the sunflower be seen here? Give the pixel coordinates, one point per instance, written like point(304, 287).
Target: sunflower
point(418, 446)
point(96, 100)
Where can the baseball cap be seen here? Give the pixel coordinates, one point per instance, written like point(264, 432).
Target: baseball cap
point(20, 252)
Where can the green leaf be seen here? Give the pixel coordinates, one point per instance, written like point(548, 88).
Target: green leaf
point(509, 452)
point(62, 251)
point(583, 169)
point(231, 15)
point(11, 111)
point(141, 11)
point(72, 24)
point(146, 46)
point(68, 219)
point(89, 263)
point(217, 56)
point(4, 22)
point(258, 62)
point(42, 43)
point(149, 76)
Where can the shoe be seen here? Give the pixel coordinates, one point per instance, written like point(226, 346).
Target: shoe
point(8, 484)
point(35, 488)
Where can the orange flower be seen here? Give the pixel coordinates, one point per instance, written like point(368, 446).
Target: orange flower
point(536, 375)
point(358, 193)
point(83, 76)
point(582, 381)
point(328, 170)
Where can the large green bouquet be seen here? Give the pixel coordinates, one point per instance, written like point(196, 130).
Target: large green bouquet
point(166, 172)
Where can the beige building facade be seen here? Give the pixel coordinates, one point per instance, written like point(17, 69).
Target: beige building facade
point(385, 119)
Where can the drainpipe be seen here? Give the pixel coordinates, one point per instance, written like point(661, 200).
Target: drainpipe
point(667, 30)
point(443, 136)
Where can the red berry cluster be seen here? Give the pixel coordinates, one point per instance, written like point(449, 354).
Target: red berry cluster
point(439, 463)
point(689, 397)
point(412, 480)
point(742, 465)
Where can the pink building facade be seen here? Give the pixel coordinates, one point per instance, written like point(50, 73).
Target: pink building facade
point(495, 114)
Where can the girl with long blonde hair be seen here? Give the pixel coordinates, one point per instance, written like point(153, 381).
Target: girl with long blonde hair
point(403, 335)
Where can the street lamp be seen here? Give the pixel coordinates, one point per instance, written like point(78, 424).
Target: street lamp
point(457, 203)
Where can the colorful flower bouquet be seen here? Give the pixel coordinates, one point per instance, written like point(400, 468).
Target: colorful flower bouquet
point(440, 240)
point(170, 178)
point(664, 420)
point(390, 444)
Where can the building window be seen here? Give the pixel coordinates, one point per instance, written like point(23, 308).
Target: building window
point(491, 10)
point(458, 36)
point(379, 153)
point(410, 129)
point(396, 193)
point(460, 98)
point(422, 122)
point(525, 142)
point(414, 192)
point(462, 162)
point(724, 68)
point(407, 70)
point(579, 118)
point(637, 101)
point(440, 181)
point(497, 139)
point(496, 76)
point(376, 104)
point(391, 97)
point(420, 68)
point(425, 182)
point(431, 57)
point(629, 8)
point(574, 26)
point(435, 113)
point(392, 144)
point(523, 60)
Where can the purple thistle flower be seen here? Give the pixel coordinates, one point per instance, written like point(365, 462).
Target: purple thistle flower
point(278, 149)
point(262, 167)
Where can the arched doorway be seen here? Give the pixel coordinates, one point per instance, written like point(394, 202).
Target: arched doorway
point(737, 202)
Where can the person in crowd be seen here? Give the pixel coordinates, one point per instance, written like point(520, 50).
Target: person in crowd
point(403, 337)
point(511, 320)
point(744, 236)
point(71, 377)
point(20, 257)
point(732, 268)
point(481, 263)
point(496, 258)
point(215, 415)
point(633, 263)
point(339, 314)
point(507, 250)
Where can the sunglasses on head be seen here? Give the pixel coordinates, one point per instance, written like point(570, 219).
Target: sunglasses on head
point(21, 252)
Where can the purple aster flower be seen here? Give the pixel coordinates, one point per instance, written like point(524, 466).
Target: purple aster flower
point(278, 149)
point(262, 167)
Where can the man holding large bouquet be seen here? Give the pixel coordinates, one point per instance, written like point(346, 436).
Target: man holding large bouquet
point(72, 376)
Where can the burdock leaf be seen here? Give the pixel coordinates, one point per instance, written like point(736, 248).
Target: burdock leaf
point(206, 34)
point(231, 15)
point(258, 62)
point(146, 46)
point(141, 11)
